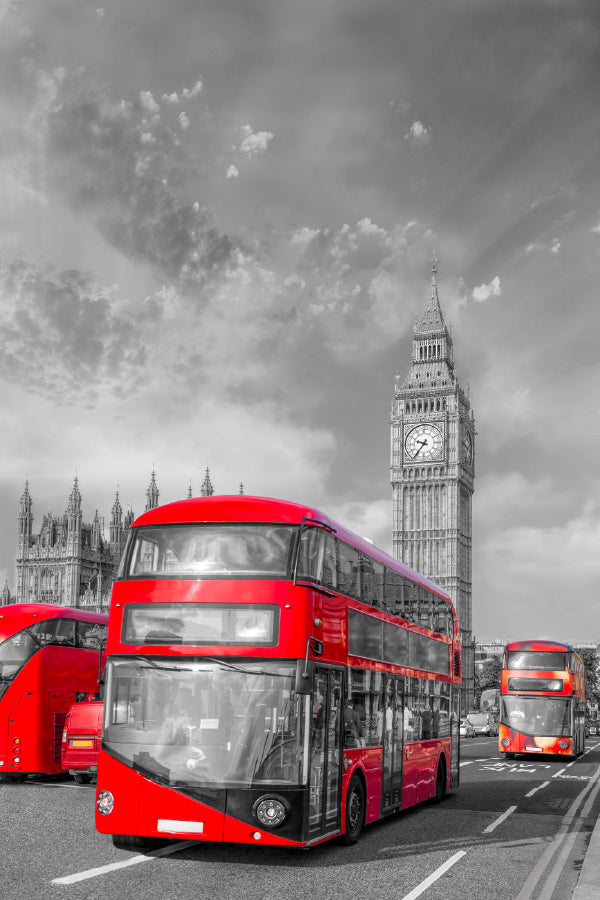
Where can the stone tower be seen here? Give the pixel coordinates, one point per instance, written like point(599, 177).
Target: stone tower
point(433, 469)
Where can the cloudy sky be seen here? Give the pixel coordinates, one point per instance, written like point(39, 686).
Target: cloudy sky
point(216, 222)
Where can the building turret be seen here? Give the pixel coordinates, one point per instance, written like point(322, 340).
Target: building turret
point(207, 490)
point(25, 519)
point(152, 493)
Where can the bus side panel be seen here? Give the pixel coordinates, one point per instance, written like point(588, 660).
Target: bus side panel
point(29, 725)
point(69, 668)
point(428, 755)
point(124, 785)
point(371, 760)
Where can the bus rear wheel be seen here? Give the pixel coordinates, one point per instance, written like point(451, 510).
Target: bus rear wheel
point(440, 781)
point(355, 810)
point(136, 842)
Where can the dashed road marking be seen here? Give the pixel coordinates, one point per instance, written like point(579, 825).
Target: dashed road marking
point(431, 879)
point(499, 820)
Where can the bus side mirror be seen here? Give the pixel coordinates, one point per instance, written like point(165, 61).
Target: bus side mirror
point(303, 680)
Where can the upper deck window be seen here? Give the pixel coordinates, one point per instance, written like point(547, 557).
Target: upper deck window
point(210, 551)
point(537, 660)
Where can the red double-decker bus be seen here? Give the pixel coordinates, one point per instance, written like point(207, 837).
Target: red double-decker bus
point(542, 699)
point(49, 658)
point(271, 678)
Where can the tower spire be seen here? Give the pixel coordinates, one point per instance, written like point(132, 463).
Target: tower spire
point(152, 493)
point(433, 319)
point(207, 490)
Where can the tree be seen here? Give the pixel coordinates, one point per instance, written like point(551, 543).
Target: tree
point(488, 673)
point(591, 661)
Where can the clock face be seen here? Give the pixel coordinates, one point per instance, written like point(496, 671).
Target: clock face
point(424, 443)
point(467, 443)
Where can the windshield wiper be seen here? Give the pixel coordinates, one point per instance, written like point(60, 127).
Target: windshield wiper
point(219, 661)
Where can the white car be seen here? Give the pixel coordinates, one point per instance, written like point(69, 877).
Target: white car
point(466, 729)
point(483, 723)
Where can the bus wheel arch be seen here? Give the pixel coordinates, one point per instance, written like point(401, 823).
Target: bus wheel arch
point(356, 807)
point(138, 842)
point(440, 779)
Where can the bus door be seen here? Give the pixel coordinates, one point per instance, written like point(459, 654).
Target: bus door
point(325, 777)
point(393, 743)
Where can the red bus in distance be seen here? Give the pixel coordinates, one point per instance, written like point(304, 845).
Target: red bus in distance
point(49, 658)
point(542, 699)
point(271, 678)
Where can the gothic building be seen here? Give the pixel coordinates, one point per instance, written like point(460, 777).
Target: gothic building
point(433, 469)
point(71, 562)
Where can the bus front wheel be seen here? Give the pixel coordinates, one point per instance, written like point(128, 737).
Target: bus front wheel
point(355, 810)
point(135, 842)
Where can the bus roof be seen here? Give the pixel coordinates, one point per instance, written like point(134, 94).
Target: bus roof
point(245, 508)
point(16, 616)
point(541, 645)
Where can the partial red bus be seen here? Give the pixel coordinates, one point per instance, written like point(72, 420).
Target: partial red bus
point(272, 678)
point(49, 658)
point(542, 699)
point(81, 740)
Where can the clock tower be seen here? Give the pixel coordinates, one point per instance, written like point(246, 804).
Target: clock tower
point(433, 469)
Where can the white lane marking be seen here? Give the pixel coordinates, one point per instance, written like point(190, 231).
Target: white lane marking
point(469, 763)
point(542, 867)
point(499, 820)
point(420, 888)
point(560, 771)
point(538, 788)
point(132, 861)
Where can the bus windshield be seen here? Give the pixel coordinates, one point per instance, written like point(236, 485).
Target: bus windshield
point(14, 653)
point(206, 723)
point(540, 716)
point(199, 551)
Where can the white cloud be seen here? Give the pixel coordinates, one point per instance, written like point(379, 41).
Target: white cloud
point(485, 291)
point(254, 143)
point(304, 236)
point(192, 93)
point(418, 135)
point(367, 227)
point(595, 229)
point(171, 98)
point(232, 172)
point(184, 121)
point(148, 102)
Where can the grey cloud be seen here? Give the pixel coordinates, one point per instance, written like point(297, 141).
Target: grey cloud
point(58, 334)
point(127, 173)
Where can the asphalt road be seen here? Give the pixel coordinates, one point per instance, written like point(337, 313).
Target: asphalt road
point(517, 830)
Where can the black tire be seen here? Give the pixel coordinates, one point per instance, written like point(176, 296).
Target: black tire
point(82, 778)
point(440, 781)
point(137, 843)
point(355, 810)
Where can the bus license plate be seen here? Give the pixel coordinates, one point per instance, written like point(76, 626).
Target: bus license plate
point(81, 743)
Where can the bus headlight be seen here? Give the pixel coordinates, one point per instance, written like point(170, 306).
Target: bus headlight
point(564, 745)
point(270, 811)
point(105, 803)
point(506, 742)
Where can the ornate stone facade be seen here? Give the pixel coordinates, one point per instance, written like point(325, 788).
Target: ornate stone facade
point(70, 562)
point(433, 470)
